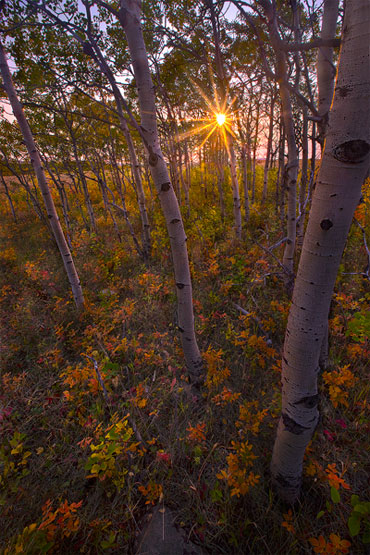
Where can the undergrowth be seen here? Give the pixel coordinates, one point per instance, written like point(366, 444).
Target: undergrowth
point(98, 422)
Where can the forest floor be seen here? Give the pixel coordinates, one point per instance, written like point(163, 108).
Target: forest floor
point(81, 467)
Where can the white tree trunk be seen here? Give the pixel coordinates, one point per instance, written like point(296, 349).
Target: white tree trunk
point(343, 170)
point(129, 15)
point(292, 173)
point(287, 114)
point(268, 150)
point(325, 66)
point(41, 178)
point(235, 187)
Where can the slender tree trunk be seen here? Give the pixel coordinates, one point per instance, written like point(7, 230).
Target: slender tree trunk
point(220, 187)
point(135, 167)
point(62, 196)
point(313, 154)
point(8, 196)
point(287, 113)
point(303, 182)
point(325, 66)
point(245, 182)
point(123, 210)
point(235, 187)
point(255, 143)
point(292, 174)
point(187, 179)
point(279, 195)
point(82, 177)
point(129, 15)
point(268, 151)
point(98, 170)
point(244, 139)
point(41, 178)
point(343, 169)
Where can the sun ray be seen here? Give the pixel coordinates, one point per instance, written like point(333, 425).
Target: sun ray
point(208, 136)
point(220, 117)
point(194, 131)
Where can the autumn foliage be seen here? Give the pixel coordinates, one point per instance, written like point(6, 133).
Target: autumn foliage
point(80, 464)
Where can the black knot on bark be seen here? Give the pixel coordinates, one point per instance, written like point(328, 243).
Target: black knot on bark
point(153, 159)
point(87, 49)
point(309, 402)
point(352, 152)
point(284, 481)
point(175, 221)
point(180, 285)
point(292, 426)
point(326, 224)
point(166, 186)
point(343, 91)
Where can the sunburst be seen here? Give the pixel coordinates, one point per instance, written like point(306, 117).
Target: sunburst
point(219, 120)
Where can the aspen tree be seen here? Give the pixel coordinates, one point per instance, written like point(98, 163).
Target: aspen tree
point(129, 16)
point(41, 178)
point(343, 169)
point(325, 67)
point(269, 148)
point(287, 113)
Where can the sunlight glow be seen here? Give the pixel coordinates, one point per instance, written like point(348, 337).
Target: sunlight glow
point(220, 118)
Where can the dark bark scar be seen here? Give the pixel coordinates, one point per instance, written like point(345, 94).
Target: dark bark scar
point(292, 426)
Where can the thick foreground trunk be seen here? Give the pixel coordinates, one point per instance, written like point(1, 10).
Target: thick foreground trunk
point(343, 170)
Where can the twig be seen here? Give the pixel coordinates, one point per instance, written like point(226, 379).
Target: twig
point(100, 379)
point(366, 248)
point(303, 208)
point(276, 245)
point(243, 311)
point(274, 257)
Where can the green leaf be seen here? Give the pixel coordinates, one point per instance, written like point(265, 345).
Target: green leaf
point(106, 544)
point(216, 495)
point(361, 508)
point(320, 514)
point(353, 525)
point(334, 494)
point(328, 506)
point(366, 536)
point(354, 500)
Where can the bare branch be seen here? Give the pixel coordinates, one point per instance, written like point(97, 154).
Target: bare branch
point(304, 46)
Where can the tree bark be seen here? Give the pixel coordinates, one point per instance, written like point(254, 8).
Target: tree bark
point(287, 113)
point(41, 178)
point(235, 187)
point(325, 67)
point(255, 143)
point(129, 16)
point(8, 196)
point(343, 170)
point(135, 167)
point(268, 150)
point(303, 182)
